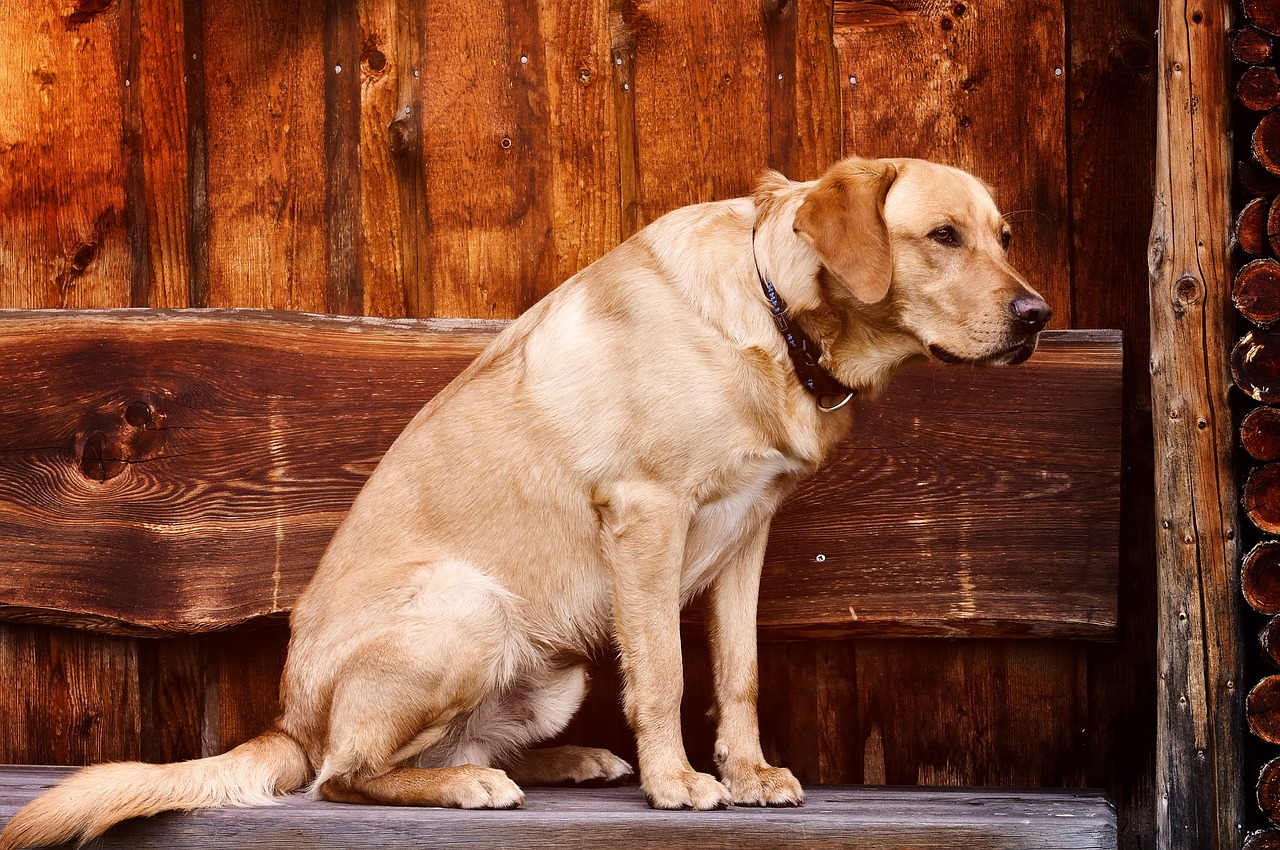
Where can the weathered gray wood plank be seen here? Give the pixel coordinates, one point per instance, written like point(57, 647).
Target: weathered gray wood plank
point(866, 817)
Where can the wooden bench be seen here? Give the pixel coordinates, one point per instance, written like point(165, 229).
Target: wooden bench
point(166, 472)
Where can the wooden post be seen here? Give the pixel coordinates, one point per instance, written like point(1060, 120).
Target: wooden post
point(1199, 730)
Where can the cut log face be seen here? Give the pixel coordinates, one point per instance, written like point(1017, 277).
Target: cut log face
point(1263, 710)
point(1269, 640)
point(1255, 365)
point(1260, 433)
point(1256, 292)
point(1251, 227)
point(1269, 790)
point(1264, 14)
point(1267, 840)
point(1260, 577)
point(1251, 46)
point(1262, 497)
point(1266, 142)
point(1259, 89)
point(1256, 180)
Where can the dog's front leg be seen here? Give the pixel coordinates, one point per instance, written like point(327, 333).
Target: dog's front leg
point(730, 605)
point(644, 534)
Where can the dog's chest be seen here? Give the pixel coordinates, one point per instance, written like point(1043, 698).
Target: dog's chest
point(726, 523)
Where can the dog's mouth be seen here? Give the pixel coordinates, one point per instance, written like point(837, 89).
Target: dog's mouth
point(1011, 356)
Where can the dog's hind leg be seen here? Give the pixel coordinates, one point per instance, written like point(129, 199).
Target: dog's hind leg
point(536, 709)
point(412, 685)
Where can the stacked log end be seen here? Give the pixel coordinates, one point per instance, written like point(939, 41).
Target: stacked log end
point(1255, 364)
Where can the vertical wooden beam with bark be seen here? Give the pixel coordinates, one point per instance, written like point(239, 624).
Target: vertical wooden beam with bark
point(1199, 734)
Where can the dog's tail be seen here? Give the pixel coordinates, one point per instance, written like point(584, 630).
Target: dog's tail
point(84, 806)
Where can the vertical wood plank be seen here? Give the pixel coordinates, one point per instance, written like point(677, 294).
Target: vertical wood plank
point(242, 671)
point(1111, 122)
point(193, 57)
point(973, 712)
point(701, 100)
point(264, 86)
point(67, 697)
point(1199, 652)
point(586, 202)
point(817, 125)
point(384, 70)
point(63, 235)
point(939, 81)
point(162, 110)
point(487, 158)
point(171, 695)
point(342, 84)
point(622, 38)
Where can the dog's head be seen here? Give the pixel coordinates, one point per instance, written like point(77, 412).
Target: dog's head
point(927, 241)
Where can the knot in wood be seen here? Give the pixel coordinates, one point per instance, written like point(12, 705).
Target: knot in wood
point(1188, 291)
point(115, 436)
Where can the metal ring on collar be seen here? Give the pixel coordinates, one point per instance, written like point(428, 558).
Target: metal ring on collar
point(836, 407)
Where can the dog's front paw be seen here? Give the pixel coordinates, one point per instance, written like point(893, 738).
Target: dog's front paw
point(762, 785)
point(686, 789)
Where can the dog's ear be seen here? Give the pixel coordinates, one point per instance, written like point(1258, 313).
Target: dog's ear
point(842, 218)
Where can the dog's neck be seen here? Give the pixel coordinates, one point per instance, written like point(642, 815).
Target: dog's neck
point(863, 344)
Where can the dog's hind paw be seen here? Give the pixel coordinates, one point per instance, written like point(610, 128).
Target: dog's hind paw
point(560, 765)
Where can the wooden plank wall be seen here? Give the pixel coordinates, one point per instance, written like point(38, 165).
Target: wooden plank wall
point(407, 159)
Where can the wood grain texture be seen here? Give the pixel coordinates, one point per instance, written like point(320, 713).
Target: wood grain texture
point(242, 670)
point(981, 742)
point(1255, 365)
point(1110, 110)
point(1199, 652)
point(1268, 791)
point(1250, 233)
point(1260, 433)
point(586, 202)
point(880, 818)
point(1262, 708)
point(1266, 142)
point(389, 88)
point(933, 80)
point(1251, 45)
point(1263, 14)
point(1258, 89)
point(1260, 577)
point(171, 698)
point(68, 698)
point(702, 101)
point(1262, 840)
point(216, 452)
point(1262, 497)
point(344, 292)
point(161, 91)
point(1256, 292)
point(63, 235)
point(486, 158)
point(1269, 641)
point(263, 63)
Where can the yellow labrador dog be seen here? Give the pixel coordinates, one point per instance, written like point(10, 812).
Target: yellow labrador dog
point(615, 453)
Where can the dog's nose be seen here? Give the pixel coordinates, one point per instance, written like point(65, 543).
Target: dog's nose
point(1032, 311)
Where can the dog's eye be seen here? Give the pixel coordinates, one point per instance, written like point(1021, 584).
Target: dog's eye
point(945, 235)
point(1005, 239)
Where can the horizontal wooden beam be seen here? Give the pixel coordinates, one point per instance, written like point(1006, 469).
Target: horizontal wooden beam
point(181, 471)
point(833, 816)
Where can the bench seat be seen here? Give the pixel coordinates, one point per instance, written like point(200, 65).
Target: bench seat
point(866, 817)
